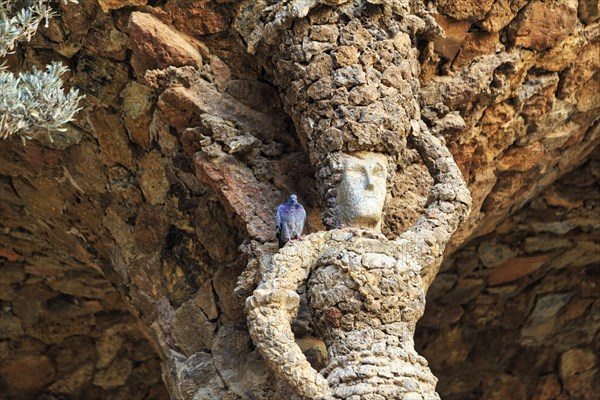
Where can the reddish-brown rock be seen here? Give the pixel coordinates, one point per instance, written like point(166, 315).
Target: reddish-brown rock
point(575, 309)
point(506, 387)
point(575, 79)
point(78, 18)
point(150, 228)
point(544, 24)
point(213, 230)
point(49, 204)
point(192, 331)
point(501, 13)
point(583, 386)
point(476, 44)
point(37, 157)
point(137, 112)
point(220, 71)
point(27, 375)
point(73, 382)
point(68, 215)
point(515, 268)
point(10, 254)
point(440, 316)
point(455, 31)
point(205, 299)
point(110, 132)
point(101, 79)
point(107, 41)
point(548, 388)
point(251, 201)
point(560, 57)
point(115, 374)
point(108, 5)
point(152, 178)
point(579, 373)
point(589, 11)
point(522, 158)
point(156, 45)
point(199, 17)
point(589, 99)
point(556, 199)
point(576, 361)
point(180, 107)
point(258, 95)
point(472, 10)
point(183, 108)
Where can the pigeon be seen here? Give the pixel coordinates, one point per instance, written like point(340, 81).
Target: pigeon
point(290, 219)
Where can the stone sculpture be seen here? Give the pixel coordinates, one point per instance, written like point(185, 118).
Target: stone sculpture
point(365, 292)
point(348, 72)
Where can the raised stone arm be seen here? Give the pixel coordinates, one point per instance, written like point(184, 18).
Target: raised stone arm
point(271, 309)
point(449, 203)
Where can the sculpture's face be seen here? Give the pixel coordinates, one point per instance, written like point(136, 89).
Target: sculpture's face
point(361, 191)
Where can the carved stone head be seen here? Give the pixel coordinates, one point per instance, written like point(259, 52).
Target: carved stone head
point(354, 189)
point(362, 189)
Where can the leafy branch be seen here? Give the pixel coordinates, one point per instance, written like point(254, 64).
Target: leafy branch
point(31, 102)
point(35, 101)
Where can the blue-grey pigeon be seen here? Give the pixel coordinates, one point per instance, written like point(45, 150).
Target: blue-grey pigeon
point(290, 219)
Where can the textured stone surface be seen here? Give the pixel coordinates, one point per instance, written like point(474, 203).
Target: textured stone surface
point(157, 45)
point(544, 24)
point(78, 18)
point(27, 375)
point(364, 293)
point(247, 198)
point(199, 17)
point(476, 44)
point(114, 146)
point(85, 344)
point(106, 40)
point(588, 11)
point(501, 13)
point(465, 10)
point(576, 361)
point(192, 332)
point(152, 178)
point(455, 35)
point(183, 107)
point(518, 328)
point(336, 110)
point(108, 5)
point(73, 211)
point(515, 268)
point(137, 109)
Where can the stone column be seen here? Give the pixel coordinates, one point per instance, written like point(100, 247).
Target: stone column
point(365, 292)
point(347, 72)
point(365, 304)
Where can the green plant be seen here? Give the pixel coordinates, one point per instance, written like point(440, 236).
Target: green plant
point(34, 101)
point(31, 102)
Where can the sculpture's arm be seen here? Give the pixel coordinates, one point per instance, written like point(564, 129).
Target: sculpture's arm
point(449, 203)
point(271, 309)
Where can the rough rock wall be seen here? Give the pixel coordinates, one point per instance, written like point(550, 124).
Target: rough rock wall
point(71, 337)
point(515, 313)
point(117, 196)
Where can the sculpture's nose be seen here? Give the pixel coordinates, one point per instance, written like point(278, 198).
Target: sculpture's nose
point(369, 181)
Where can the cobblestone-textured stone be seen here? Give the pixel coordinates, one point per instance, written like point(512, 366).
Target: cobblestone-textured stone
point(86, 260)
